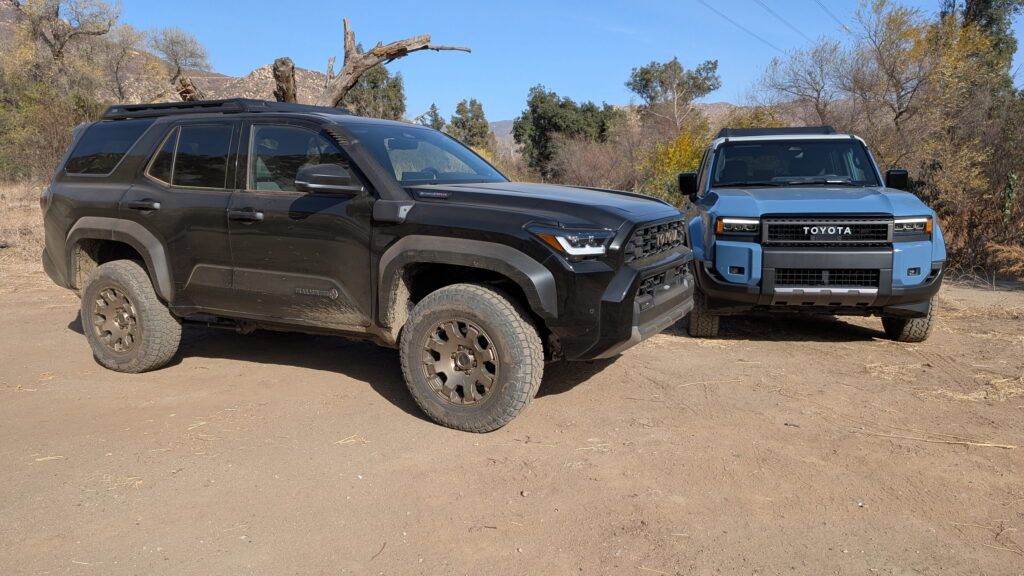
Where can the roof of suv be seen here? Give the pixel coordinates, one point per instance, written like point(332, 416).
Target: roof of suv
point(229, 106)
point(238, 106)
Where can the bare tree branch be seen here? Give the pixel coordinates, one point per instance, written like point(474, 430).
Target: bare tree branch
point(355, 63)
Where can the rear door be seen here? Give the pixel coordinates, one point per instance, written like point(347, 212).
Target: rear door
point(183, 200)
point(298, 257)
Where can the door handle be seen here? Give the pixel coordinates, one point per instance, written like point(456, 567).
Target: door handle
point(245, 215)
point(143, 205)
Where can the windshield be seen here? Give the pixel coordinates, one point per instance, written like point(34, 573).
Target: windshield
point(417, 156)
point(793, 163)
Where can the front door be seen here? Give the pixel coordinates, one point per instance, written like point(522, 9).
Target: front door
point(298, 257)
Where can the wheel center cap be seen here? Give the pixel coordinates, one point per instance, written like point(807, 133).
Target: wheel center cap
point(121, 319)
point(463, 360)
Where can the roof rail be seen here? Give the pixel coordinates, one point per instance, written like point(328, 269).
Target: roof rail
point(229, 106)
point(733, 132)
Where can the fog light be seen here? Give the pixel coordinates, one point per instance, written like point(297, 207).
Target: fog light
point(913, 271)
point(736, 269)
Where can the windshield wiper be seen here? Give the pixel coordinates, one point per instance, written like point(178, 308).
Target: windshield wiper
point(745, 184)
point(820, 181)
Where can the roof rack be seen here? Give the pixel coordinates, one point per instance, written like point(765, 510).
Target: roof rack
point(733, 132)
point(229, 106)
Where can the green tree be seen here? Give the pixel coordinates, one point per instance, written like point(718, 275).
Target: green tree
point(995, 18)
point(433, 119)
point(377, 94)
point(469, 125)
point(668, 90)
point(548, 117)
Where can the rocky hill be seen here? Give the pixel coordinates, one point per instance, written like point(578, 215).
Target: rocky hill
point(258, 84)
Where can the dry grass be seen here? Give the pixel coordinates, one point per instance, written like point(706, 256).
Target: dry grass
point(21, 230)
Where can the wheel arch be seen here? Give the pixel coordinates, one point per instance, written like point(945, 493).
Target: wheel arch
point(93, 237)
point(530, 279)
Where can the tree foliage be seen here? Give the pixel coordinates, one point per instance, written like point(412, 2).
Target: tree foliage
point(668, 90)
point(548, 117)
point(377, 94)
point(181, 50)
point(469, 124)
point(433, 119)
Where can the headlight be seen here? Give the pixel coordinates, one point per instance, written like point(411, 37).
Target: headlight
point(577, 243)
point(916, 225)
point(737, 226)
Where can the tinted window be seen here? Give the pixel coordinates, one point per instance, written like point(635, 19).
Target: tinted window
point(793, 162)
point(161, 166)
point(103, 145)
point(277, 152)
point(201, 160)
point(423, 156)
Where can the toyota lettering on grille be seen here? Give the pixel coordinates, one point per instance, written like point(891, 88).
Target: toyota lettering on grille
point(830, 230)
point(826, 232)
point(666, 237)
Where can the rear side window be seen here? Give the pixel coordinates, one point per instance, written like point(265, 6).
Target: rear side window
point(103, 145)
point(194, 157)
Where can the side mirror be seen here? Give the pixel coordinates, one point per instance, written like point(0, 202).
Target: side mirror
point(326, 178)
point(898, 179)
point(688, 185)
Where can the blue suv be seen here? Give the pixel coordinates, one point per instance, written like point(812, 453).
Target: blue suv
point(800, 220)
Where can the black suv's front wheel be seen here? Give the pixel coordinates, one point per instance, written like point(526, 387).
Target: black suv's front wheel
point(128, 328)
point(471, 358)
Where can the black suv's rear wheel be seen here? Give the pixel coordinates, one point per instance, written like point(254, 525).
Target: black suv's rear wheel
point(471, 358)
point(128, 328)
point(912, 329)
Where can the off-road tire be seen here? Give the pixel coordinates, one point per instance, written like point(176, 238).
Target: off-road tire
point(701, 323)
point(912, 329)
point(128, 328)
point(457, 313)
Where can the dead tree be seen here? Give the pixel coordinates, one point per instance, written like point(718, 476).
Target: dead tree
point(357, 63)
point(284, 78)
point(188, 91)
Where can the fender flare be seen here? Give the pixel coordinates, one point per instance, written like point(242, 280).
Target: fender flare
point(531, 276)
point(128, 232)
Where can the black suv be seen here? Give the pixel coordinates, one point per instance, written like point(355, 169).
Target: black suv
point(262, 215)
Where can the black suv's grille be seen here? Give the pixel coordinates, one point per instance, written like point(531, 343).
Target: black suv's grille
point(810, 230)
point(650, 240)
point(815, 277)
point(650, 285)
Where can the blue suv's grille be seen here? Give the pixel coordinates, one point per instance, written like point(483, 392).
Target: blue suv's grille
point(650, 240)
point(835, 277)
point(817, 231)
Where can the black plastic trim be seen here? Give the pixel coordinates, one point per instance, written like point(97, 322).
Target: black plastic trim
point(533, 278)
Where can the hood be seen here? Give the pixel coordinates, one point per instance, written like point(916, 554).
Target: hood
point(563, 204)
point(754, 202)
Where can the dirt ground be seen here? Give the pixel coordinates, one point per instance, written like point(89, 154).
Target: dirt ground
point(784, 447)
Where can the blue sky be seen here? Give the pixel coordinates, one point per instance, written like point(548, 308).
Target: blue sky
point(583, 50)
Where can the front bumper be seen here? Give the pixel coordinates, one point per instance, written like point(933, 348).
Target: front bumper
point(888, 297)
point(637, 304)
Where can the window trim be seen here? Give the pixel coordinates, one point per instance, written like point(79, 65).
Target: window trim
point(176, 130)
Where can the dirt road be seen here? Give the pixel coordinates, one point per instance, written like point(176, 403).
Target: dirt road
point(784, 447)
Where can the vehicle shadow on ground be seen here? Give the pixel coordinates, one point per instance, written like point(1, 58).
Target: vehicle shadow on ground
point(561, 377)
point(788, 328)
point(363, 361)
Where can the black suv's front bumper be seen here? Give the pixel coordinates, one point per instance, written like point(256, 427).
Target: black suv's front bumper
point(636, 304)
